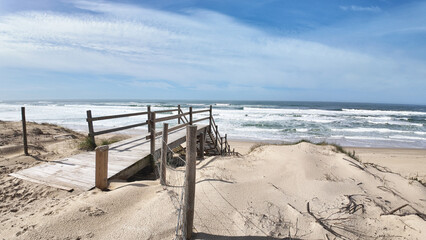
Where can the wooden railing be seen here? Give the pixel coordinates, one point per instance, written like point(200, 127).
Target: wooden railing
point(220, 143)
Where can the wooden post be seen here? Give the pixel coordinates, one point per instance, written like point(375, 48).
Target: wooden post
point(226, 143)
point(189, 200)
point(201, 152)
point(90, 123)
point(164, 151)
point(152, 123)
point(149, 117)
point(217, 133)
point(24, 131)
point(179, 113)
point(221, 146)
point(190, 115)
point(101, 180)
point(211, 118)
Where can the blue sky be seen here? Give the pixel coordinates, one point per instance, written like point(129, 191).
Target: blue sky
point(341, 50)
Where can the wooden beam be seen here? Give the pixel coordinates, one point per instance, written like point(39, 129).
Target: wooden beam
point(170, 130)
point(149, 117)
point(118, 116)
point(221, 146)
point(190, 115)
point(152, 123)
point(101, 179)
point(170, 117)
point(164, 111)
point(216, 133)
point(179, 119)
point(119, 129)
point(202, 140)
point(200, 111)
point(184, 116)
point(189, 197)
point(24, 131)
point(164, 150)
point(201, 119)
point(226, 143)
point(211, 118)
point(90, 123)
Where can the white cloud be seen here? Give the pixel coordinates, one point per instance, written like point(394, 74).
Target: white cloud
point(361, 9)
point(199, 48)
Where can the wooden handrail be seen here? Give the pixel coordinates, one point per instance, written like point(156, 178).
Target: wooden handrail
point(119, 128)
point(170, 130)
point(184, 116)
point(200, 111)
point(183, 121)
point(178, 126)
point(201, 119)
point(170, 110)
point(170, 117)
point(116, 116)
point(214, 122)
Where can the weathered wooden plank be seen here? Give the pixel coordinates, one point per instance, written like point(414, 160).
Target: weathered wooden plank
point(17, 175)
point(119, 128)
point(167, 110)
point(78, 172)
point(83, 176)
point(55, 179)
point(201, 111)
point(118, 116)
point(201, 119)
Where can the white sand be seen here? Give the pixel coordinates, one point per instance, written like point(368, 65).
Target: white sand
point(263, 194)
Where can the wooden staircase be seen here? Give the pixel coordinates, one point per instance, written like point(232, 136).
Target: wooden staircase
point(211, 147)
point(214, 143)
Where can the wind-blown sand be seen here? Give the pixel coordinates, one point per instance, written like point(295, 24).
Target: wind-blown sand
point(262, 195)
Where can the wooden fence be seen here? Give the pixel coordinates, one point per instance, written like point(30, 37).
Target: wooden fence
point(183, 119)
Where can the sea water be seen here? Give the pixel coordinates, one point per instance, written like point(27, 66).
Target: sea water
point(348, 124)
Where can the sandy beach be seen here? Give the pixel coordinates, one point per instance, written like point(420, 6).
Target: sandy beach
point(302, 191)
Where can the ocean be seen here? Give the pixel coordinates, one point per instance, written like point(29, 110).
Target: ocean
point(347, 124)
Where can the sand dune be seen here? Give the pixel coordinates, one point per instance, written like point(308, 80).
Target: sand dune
point(263, 195)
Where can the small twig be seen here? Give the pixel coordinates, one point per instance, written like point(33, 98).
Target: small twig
point(323, 224)
point(418, 213)
point(396, 209)
point(294, 208)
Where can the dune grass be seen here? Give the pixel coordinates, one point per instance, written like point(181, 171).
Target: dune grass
point(337, 147)
point(87, 144)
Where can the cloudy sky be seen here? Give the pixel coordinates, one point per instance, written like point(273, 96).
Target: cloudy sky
point(337, 50)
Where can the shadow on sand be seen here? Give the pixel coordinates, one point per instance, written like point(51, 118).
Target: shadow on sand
point(202, 235)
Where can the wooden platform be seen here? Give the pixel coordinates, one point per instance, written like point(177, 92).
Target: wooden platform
point(78, 172)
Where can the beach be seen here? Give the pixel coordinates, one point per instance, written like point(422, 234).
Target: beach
point(302, 191)
point(347, 124)
point(233, 120)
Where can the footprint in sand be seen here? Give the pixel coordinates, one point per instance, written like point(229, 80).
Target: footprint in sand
point(92, 211)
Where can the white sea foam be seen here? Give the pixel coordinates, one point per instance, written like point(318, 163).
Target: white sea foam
point(255, 122)
point(406, 137)
point(367, 130)
point(381, 112)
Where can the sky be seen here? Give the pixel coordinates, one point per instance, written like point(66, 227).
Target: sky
point(307, 50)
